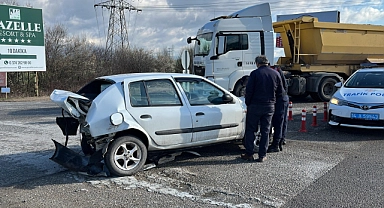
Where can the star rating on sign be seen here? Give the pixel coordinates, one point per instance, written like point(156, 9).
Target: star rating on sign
point(3, 40)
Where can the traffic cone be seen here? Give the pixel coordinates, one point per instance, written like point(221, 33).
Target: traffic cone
point(314, 116)
point(290, 117)
point(303, 124)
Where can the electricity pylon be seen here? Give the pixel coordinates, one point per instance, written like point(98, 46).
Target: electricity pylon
point(117, 27)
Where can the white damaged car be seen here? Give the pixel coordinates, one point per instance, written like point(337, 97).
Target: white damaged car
point(122, 118)
point(359, 102)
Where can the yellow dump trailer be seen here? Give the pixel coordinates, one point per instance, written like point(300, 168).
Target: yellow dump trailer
point(319, 54)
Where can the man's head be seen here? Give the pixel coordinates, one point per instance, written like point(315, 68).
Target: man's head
point(261, 60)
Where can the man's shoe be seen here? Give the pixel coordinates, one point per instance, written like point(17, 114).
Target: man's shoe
point(247, 157)
point(272, 149)
point(261, 159)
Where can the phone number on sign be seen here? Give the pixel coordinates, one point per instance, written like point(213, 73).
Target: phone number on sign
point(17, 62)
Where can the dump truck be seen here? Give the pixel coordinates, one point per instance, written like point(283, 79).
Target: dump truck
point(317, 54)
point(320, 54)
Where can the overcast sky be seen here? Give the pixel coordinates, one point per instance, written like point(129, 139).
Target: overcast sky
point(167, 23)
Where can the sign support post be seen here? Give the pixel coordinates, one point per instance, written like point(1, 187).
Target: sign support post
point(185, 60)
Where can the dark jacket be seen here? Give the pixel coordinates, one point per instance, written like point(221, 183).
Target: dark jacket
point(263, 87)
point(285, 85)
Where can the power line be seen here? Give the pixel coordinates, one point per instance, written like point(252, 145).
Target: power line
point(117, 27)
point(275, 5)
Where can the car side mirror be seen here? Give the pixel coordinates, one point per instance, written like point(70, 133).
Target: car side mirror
point(338, 84)
point(227, 98)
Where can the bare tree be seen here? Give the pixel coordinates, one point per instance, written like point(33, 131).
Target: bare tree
point(10, 2)
point(164, 62)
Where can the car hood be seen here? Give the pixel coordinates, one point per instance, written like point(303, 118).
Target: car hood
point(75, 104)
point(361, 95)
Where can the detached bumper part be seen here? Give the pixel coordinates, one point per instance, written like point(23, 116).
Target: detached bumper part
point(76, 162)
point(68, 158)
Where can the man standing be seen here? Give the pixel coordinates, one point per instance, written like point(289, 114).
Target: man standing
point(264, 85)
point(280, 118)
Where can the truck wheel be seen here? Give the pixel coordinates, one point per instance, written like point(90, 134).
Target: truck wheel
point(126, 156)
point(239, 89)
point(327, 88)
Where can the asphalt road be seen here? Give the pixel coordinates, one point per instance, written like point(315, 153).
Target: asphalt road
point(323, 167)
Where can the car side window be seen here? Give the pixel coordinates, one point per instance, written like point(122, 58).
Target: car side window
point(153, 93)
point(137, 94)
point(162, 92)
point(200, 92)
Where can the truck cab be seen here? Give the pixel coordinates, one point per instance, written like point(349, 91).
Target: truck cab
point(226, 47)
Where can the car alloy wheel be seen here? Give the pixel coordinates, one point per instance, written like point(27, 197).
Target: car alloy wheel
point(125, 156)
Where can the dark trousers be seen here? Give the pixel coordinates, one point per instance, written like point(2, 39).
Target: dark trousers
point(258, 114)
point(280, 121)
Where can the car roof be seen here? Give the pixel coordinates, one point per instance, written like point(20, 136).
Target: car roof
point(376, 69)
point(154, 75)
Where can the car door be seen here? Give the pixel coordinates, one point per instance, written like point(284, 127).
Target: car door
point(157, 107)
point(212, 119)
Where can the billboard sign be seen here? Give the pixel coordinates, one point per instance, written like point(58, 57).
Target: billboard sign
point(21, 39)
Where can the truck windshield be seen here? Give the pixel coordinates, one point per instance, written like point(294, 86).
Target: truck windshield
point(205, 41)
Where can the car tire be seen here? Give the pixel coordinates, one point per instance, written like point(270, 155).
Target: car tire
point(125, 156)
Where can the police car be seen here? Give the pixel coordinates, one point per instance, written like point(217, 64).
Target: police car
point(359, 102)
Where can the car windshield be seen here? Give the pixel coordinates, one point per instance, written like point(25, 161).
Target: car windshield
point(367, 79)
point(203, 46)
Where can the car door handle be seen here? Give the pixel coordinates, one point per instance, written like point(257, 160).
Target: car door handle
point(145, 116)
point(200, 114)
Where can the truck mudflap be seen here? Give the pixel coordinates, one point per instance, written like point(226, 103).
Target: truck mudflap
point(76, 162)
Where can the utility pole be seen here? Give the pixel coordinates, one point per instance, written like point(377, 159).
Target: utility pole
point(170, 52)
point(117, 27)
